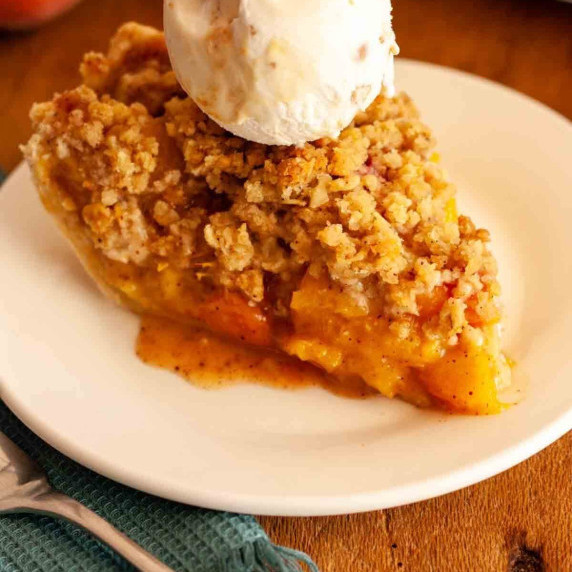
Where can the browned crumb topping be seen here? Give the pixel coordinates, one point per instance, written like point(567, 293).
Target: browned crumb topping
point(159, 184)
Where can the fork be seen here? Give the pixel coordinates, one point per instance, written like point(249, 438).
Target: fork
point(24, 487)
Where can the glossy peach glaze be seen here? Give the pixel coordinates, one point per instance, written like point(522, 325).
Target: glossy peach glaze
point(211, 361)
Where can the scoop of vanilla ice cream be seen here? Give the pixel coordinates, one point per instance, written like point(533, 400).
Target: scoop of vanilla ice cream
point(281, 72)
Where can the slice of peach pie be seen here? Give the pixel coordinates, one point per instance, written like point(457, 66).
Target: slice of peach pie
point(345, 253)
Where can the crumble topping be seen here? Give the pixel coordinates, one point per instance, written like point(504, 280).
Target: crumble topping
point(158, 184)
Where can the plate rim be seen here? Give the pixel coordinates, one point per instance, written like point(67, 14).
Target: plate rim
point(315, 505)
point(298, 505)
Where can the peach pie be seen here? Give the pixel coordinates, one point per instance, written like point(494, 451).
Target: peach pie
point(347, 253)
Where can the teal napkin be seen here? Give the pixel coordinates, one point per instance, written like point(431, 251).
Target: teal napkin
point(183, 537)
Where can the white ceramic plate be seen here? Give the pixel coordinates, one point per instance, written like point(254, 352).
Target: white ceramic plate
point(68, 369)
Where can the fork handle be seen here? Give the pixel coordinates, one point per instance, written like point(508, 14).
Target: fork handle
point(56, 504)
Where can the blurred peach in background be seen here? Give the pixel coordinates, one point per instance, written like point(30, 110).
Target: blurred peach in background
point(22, 14)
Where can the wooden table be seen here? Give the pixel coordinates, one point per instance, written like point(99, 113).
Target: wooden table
point(518, 521)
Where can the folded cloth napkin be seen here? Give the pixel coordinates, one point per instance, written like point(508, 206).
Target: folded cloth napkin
point(183, 537)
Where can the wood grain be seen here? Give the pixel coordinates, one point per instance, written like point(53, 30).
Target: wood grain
point(519, 521)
